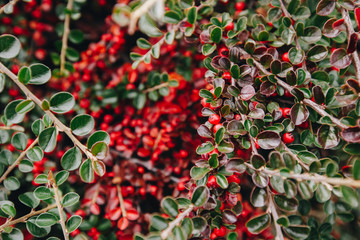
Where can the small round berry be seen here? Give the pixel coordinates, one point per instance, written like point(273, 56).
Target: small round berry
point(239, 6)
point(226, 76)
point(217, 127)
point(214, 119)
point(288, 138)
point(212, 181)
point(220, 232)
point(285, 57)
point(286, 112)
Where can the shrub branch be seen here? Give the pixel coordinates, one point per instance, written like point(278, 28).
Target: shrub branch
point(65, 37)
point(18, 160)
point(59, 125)
point(165, 234)
point(26, 217)
point(273, 211)
point(289, 88)
point(134, 17)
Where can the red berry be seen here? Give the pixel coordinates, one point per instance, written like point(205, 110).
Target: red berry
point(224, 51)
point(239, 6)
point(212, 181)
point(214, 119)
point(286, 112)
point(220, 232)
point(140, 170)
point(226, 76)
point(234, 178)
point(204, 103)
point(304, 125)
point(181, 186)
point(285, 57)
point(142, 191)
point(217, 127)
point(230, 26)
point(288, 138)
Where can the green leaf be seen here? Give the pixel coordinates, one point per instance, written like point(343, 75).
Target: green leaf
point(62, 102)
point(36, 231)
point(9, 46)
point(172, 17)
point(72, 54)
point(25, 106)
point(37, 127)
point(71, 160)
point(41, 179)
point(206, 94)
point(298, 232)
point(86, 171)
point(356, 169)
point(14, 234)
point(208, 49)
point(100, 150)
point(158, 223)
point(43, 193)
point(311, 35)
point(192, 15)
point(199, 224)
point(205, 148)
point(39, 73)
point(258, 197)
point(26, 166)
point(19, 141)
point(29, 199)
point(48, 139)
point(148, 26)
point(216, 34)
point(61, 177)
point(73, 223)
point(8, 208)
point(11, 183)
point(76, 36)
point(317, 53)
point(143, 43)
point(139, 101)
point(200, 196)
point(82, 125)
point(70, 199)
point(198, 173)
point(10, 113)
point(350, 196)
point(178, 233)
point(258, 224)
point(98, 136)
point(296, 56)
point(268, 140)
point(328, 136)
point(46, 220)
point(35, 154)
point(225, 147)
point(187, 226)
point(222, 181)
point(170, 206)
point(219, 135)
point(235, 71)
point(322, 193)
point(286, 204)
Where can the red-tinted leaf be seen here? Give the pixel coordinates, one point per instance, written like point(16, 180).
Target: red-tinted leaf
point(115, 214)
point(268, 140)
point(339, 24)
point(247, 92)
point(123, 223)
point(132, 214)
point(325, 7)
point(318, 94)
point(328, 30)
point(354, 85)
point(99, 168)
point(299, 114)
point(352, 43)
point(95, 209)
point(357, 16)
point(267, 88)
point(340, 59)
point(351, 134)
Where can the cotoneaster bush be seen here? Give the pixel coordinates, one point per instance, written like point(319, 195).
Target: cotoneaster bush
point(180, 120)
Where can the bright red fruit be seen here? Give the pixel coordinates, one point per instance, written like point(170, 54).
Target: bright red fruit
point(239, 6)
point(212, 181)
point(214, 119)
point(288, 138)
point(226, 76)
point(220, 232)
point(285, 57)
point(286, 112)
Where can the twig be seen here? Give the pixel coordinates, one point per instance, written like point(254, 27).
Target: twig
point(134, 17)
point(165, 84)
point(306, 167)
point(121, 200)
point(66, 33)
point(165, 234)
point(287, 14)
point(18, 160)
point(59, 205)
point(12, 2)
point(289, 88)
point(27, 216)
point(350, 31)
point(272, 208)
point(15, 128)
point(59, 125)
point(311, 177)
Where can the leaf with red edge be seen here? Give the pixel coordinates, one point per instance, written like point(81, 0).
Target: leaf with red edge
point(357, 16)
point(247, 92)
point(351, 134)
point(352, 43)
point(299, 114)
point(328, 30)
point(325, 7)
point(354, 85)
point(267, 88)
point(132, 214)
point(123, 223)
point(95, 209)
point(339, 24)
point(115, 214)
point(99, 168)
point(340, 59)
